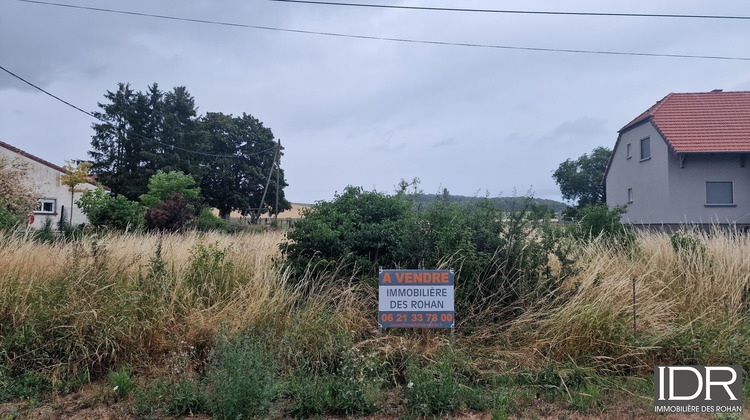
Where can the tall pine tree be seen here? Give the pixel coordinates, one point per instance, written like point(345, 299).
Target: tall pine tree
point(142, 133)
point(119, 141)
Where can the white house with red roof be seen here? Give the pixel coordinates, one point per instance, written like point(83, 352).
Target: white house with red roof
point(54, 197)
point(686, 160)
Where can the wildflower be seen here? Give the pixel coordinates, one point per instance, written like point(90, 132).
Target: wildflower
point(410, 385)
point(116, 388)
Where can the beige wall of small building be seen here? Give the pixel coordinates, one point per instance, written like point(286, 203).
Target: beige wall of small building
point(51, 191)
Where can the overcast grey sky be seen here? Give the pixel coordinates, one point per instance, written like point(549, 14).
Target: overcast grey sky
point(371, 112)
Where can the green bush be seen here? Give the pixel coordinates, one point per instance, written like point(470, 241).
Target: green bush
point(685, 243)
point(8, 220)
point(347, 382)
point(164, 185)
point(210, 275)
point(600, 220)
point(105, 211)
point(27, 385)
point(358, 228)
point(341, 394)
point(207, 221)
point(500, 258)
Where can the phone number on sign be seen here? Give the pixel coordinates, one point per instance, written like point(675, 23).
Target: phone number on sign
point(425, 317)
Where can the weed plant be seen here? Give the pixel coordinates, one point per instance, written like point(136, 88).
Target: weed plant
point(121, 382)
point(438, 388)
point(240, 377)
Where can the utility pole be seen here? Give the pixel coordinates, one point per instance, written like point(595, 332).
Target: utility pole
point(278, 168)
point(268, 181)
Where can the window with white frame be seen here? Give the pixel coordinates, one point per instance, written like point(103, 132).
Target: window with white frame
point(719, 193)
point(46, 206)
point(630, 195)
point(629, 151)
point(646, 148)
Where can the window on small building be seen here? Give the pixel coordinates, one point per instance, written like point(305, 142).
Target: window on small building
point(630, 195)
point(646, 148)
point(46, 206)
point(719, 193)
point(630, 152)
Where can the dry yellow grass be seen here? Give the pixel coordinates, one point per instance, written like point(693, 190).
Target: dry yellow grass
point(135, 299)
point(675, 292)
point(110, 299)
point(105, 300)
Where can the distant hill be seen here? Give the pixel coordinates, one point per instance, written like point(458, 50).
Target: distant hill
point(504, 203)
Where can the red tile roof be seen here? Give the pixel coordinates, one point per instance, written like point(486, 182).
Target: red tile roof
point(37, 159)
point(30, 156)
point(709, 122)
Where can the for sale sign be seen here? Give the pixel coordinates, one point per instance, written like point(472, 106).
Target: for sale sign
point(416, 299)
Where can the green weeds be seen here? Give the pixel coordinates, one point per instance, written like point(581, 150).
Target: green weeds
point(121, 382)
point(240, 377)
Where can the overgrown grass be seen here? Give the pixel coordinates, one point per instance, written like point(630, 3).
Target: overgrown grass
point(225, 331)
point(103, 301)
point(691, 307)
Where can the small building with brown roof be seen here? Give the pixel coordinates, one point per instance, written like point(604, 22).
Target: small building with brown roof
point(54, 199)
point(685, 160)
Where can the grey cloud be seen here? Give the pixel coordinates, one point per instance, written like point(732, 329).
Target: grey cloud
point(515, 114)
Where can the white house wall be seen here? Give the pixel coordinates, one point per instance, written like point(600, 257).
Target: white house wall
point(44, 179)
point(687, 193)
point(647, 179)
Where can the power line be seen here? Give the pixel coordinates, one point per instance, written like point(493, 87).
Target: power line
point(518, 12)
point(402, 40)
point(47, 93)
point(132, 134)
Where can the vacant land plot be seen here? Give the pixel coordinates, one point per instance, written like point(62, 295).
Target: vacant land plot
point(158, 326)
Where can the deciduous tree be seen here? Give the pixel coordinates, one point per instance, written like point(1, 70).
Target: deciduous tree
point(583, 179)
point(73, 177)
point(164, 185)
point(246, 156)
point(18, 196)
point(171, 215)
